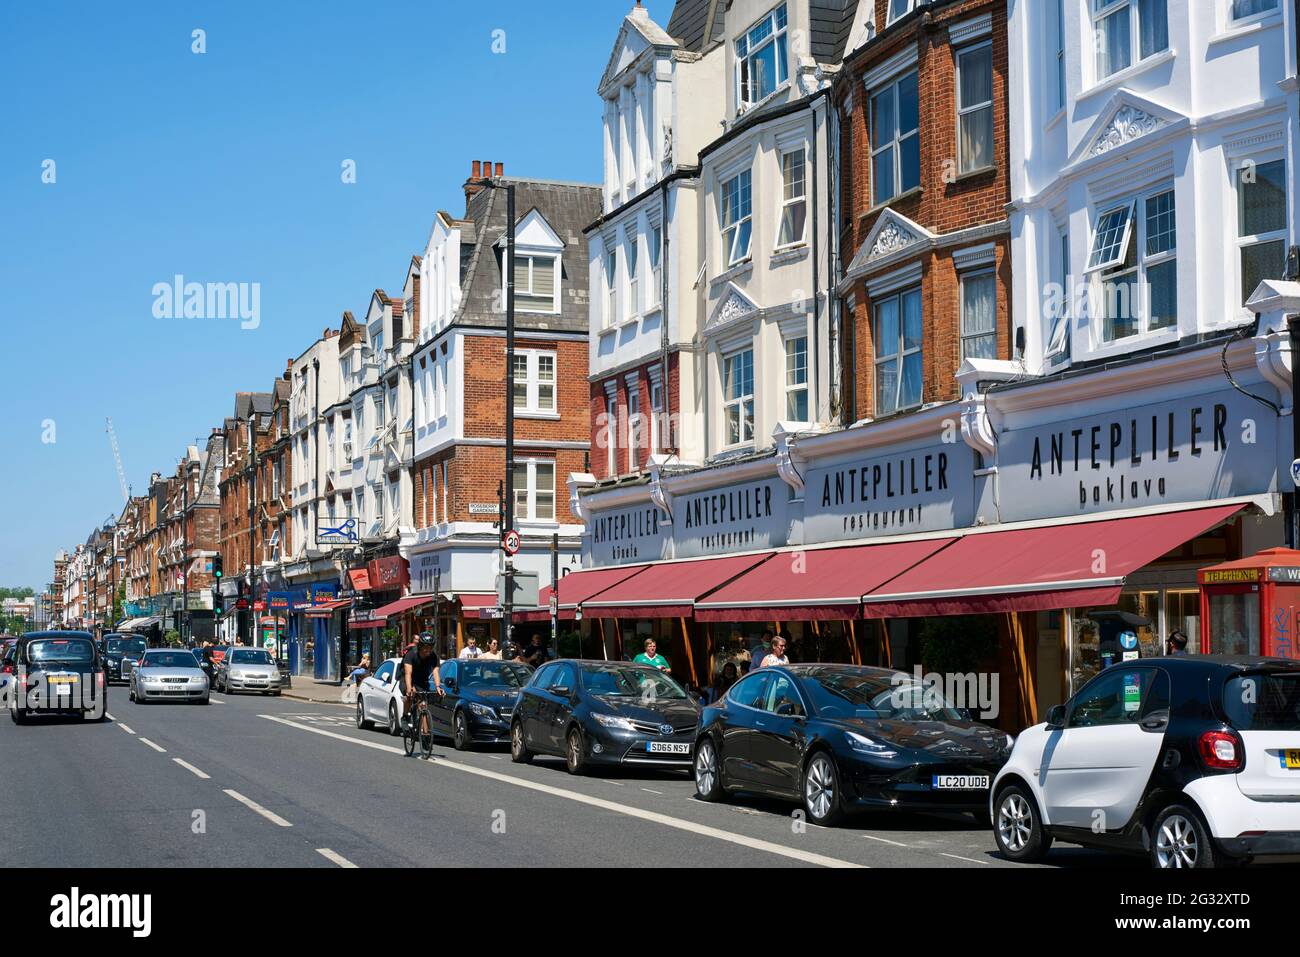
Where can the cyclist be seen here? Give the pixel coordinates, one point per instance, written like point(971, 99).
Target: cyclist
point(418, 664)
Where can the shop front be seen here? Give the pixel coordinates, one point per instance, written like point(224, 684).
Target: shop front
point(998, 536)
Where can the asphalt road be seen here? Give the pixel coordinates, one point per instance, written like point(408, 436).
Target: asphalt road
point(257, 782)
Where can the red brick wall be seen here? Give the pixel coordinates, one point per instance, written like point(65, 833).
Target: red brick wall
point(946, 202)
point(599, 410)
point(485, 395)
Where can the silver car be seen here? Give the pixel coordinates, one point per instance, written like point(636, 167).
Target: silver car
point(168, 675)
point(248, 669)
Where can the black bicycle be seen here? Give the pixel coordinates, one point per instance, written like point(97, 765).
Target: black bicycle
point(419, 727)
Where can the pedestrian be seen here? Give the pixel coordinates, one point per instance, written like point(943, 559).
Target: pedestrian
point(725, 679)
point(650, 656)
point(471, 649)
point(1176, 644)
point(777, 655)
point(535, 654)
point(361, 669)
point(494, 650)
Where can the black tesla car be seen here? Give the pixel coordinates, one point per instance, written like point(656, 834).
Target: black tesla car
point(604, 712)
point(120, 654)
point(843, 737)
point(478, 702)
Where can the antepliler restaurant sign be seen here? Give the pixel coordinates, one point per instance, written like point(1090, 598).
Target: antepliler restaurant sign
point(922, 489)
point(733, 518)
point(623, 535)
point(1195, 449)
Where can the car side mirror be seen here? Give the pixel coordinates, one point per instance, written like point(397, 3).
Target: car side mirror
point(450, 683)
point(789, 710)
point(1056, 717)
point(560, 691)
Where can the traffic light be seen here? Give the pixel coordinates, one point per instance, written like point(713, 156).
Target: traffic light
point(216, 567)
point(217, 608)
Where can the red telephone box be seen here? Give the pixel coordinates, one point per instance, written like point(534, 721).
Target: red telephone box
point(1252, 606)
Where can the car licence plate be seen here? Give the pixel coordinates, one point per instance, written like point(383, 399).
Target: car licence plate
point(667, 747)
point(1291, 759)
point(960, 782)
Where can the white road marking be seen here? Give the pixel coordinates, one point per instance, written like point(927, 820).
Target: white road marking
point(216, 700)
point(617, 784)
point(960, 858)
point(253, 805)
point(883, 840)
point(152, 745)
point(192, 769)
point(653, 816)
point(109, 716)
point(651, 791)
point(334, 857)
point(125, 728)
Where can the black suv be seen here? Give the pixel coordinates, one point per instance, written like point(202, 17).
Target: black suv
point(58, 672)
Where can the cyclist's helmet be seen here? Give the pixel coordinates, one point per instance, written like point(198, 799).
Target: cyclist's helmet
point(426, 639)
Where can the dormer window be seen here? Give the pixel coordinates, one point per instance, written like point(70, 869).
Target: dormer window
point(535, 286)
point(761, 64)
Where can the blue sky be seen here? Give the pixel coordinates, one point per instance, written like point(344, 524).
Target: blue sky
point(225, 167)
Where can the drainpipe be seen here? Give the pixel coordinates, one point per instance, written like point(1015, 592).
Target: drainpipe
point(663, 425)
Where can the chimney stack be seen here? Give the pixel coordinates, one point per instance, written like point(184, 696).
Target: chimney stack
point(501, 169)
point(473, 185)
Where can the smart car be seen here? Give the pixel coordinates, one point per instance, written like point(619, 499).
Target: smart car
point(1194, 761)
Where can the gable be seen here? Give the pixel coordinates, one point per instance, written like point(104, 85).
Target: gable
point(1126, 118)
point(733, 306)
point(894, 237)
point(534, 232)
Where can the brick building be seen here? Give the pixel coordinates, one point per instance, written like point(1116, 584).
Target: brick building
point(246, 436)
point(923, 222)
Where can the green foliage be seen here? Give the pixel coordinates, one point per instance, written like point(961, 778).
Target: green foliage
point(958, 645)
point(570, 643)
point(16, 593)
point(172, 638)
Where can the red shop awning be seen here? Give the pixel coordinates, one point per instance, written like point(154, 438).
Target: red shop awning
point(360, 579)
point(401, 605)
point(575, 589)
point(368, 623)
point(670, 589)
point(470, 600)
point(326, 609)
point(815, 585)
point(1038, 569)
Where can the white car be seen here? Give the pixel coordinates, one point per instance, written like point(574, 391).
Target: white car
point(380, 699)
point(248, 669)
point(1194, 761)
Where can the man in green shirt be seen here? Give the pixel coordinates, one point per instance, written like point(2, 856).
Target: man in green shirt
point(651, 657)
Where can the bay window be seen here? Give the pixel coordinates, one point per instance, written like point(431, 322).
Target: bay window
point(737, 218)
point(979, 331)
point(1245, 9)
point(1134, 264)
point(1127, 31)
point(796, 379)
point(1261, 223)
point(897, 331)
point(794, 199)
point(761, 55)
point(738, 396)
point(656, 264)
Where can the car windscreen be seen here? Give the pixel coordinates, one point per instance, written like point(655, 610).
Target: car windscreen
point(1266, 701)
point(60, 649)
point(493, 674)
point(131, 647)
point(625, 681)
point(250, 656)
point(169, 659)
point(857, 694)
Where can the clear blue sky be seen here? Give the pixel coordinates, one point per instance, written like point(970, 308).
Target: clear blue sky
point(225, 167)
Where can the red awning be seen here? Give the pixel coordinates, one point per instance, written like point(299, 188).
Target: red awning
point(401, 605)
point(326, 609)
point(368, 623)
point(360, 579)
point(668, 590)
point(815, 585)
point(575, 589)
point(1038, 569)
point(477, 599)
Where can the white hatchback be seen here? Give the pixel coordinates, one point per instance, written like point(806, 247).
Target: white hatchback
point(380, 699)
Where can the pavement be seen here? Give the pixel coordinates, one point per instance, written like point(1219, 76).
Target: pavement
point(321, 692)
point(276, 782)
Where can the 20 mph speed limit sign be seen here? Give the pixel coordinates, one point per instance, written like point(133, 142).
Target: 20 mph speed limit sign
point(510, 542)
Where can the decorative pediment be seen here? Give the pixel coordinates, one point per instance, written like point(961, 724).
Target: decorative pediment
point(890, 239)
point(734, 305)
point(637, 34)
point(533, 232)
point(1128, 117)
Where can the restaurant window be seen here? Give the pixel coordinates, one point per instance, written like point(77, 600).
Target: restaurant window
point(738, 396)
point(1127, 31)
point(895, 139)
point(796, 379)
point(979, 334)
point(794, 201)
point(897, 330)
point(737, 218)
point(1261, 223)
point(761, 56)
point(975, 107)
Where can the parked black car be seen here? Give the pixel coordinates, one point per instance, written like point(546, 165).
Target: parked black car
point(604, 712)
point(478, 702)
point(58, 672)
point(843, 737)
point(120, 653)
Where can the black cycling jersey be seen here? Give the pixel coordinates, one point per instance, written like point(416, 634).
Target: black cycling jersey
point(421, 668)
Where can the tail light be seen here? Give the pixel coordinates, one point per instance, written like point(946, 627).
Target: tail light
point(99, 679)
point(6, 669)
point(1222, 751)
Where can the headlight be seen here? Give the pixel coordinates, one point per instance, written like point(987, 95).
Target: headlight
point(481, 710)
point(614, 721)
point(1010, 742)
point(860, 742)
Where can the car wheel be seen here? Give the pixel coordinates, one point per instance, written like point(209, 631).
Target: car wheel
point(394, 723)
point(708, 772)
point(205, 700)
point(19, 716)
point(1179, 839)
point(821, 791)
point(1018, 828)
point(519, 752)
point(130, 695)
point(362, 721)
point(575, 758)
point(460, 732)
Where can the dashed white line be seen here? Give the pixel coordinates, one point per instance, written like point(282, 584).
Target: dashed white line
point(254, 806)
point(651, 791)
point(960, 858)
point(125, 728)
point(216, 701)
point(152, 745)
point(655, 817)
point(334, 857)
point(192, 769)
point(617, 784)
point(883, 840)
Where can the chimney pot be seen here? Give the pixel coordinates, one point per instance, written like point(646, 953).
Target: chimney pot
point(478, 170)
point(487, 167)
point(501, 168)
